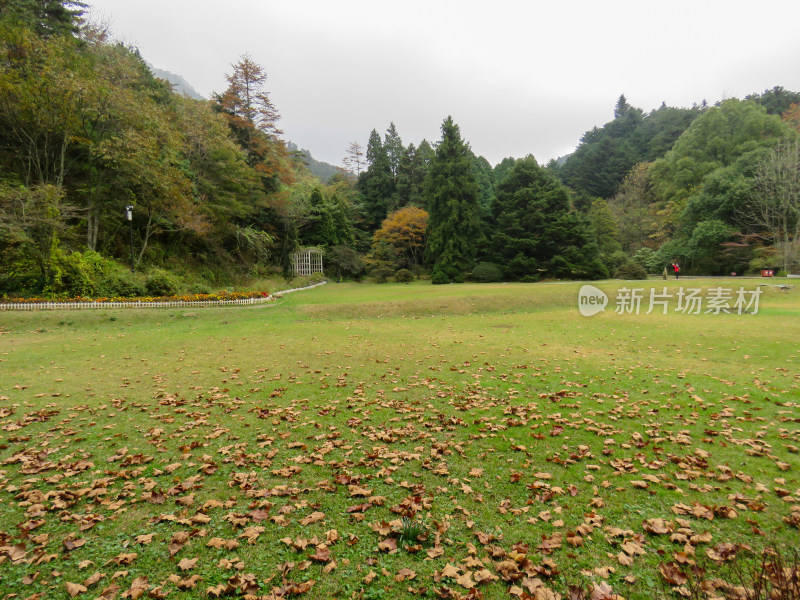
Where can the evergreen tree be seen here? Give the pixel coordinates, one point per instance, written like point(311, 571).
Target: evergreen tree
point(320, 229)
point(420, 165)
point(403, 178)
point(606, 155)
point(45, 17)
point(393, 146)
point(376, 184)
point(777, 100)
point(535, 232)
point(343, 230)
point(454, 206)
point(410, 178)
point(253, 121)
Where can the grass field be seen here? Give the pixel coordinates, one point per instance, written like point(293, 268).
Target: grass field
point(395, 441)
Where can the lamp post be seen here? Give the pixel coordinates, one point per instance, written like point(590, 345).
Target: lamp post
point(129, 218)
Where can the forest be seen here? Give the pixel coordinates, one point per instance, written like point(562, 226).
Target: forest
point(219, 198)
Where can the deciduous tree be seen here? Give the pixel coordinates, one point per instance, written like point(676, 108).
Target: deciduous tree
point(405, 230)
point(774, 209)
point(354, 159)
point(253, 119)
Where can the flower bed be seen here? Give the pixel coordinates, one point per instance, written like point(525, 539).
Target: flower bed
point(217, 299)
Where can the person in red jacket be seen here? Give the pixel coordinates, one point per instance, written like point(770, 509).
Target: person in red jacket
point(676, 268)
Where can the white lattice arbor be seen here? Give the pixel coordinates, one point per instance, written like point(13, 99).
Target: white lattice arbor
point(307, 261)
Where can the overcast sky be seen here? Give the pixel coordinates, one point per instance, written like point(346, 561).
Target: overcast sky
point(519, 77)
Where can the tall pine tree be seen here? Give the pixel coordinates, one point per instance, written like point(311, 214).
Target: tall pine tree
point(376, 184)
point(453, 199)
point(535, 232)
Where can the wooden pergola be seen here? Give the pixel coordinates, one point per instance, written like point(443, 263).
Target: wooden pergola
point(307, 261)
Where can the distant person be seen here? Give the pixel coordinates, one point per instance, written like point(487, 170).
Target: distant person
point(676, 268)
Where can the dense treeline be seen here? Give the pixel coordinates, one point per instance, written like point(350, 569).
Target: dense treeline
point(713, 187)
point(218, 197)
point(86, 130)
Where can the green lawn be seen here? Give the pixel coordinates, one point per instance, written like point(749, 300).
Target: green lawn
point(527, 447)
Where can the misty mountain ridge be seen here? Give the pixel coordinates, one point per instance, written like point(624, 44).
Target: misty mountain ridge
point(324, 171)
point(179, 84)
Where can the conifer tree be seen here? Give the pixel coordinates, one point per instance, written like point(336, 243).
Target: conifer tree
point(376, 184)
point(321, 230)
point(535, 232)
point(453, 202)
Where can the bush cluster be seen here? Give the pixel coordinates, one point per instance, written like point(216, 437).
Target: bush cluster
point(487, 272)
point(89, 274)
point(631, 270)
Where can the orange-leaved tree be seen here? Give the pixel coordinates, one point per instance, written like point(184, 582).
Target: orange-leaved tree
point(404, 230)
point(253, 121)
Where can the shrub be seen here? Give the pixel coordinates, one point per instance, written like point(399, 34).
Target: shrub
point(446, 273)
point(198, 287)
point(404, 276)
point(20, 278)
point(647, 259)
point(487, 272)
point(631, 270)
point(344, 262)
point(617, 259)
point(74, 274)
point(121, 282)
point(381, 274)
point(162, 283)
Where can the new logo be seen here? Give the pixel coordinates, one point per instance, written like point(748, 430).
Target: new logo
point(591, 300)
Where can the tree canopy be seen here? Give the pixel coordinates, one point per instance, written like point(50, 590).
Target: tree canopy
point(453, 199)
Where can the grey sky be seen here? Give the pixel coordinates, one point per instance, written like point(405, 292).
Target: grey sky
point(518, 77)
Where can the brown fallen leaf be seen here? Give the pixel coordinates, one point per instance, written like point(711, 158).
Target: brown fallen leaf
point(435, 552)
point(672, 573)
point(111, 591)
point(94, 578)
point(658, 526)
point(484, 575)
point(405, 575)
point(144, 539)
point(314, 517)
point(187, 563)
point(450, 571)
point(323, 554)
point(70, 544)
point(465, 580)
point(139, 588)
point(125, 558)
point(73, 589)
point(185, 584)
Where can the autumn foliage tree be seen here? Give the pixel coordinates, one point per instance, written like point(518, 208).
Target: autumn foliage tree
point(253, 120)
point(405, 231)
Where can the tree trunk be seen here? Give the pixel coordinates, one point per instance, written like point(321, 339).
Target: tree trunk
point(92, 226)
point(148, 231)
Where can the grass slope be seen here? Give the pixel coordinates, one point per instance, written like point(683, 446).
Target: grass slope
point(361, 441)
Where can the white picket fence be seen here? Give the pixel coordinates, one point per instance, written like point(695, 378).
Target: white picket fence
point(140, 304)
